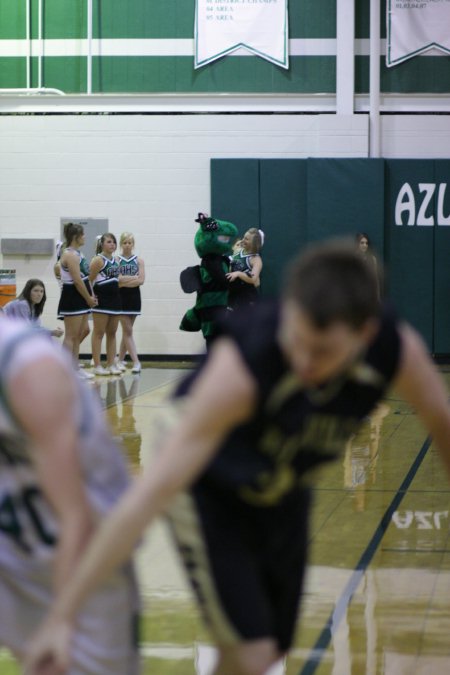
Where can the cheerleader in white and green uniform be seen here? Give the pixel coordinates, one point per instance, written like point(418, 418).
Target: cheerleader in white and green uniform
point(77, 297)
point(246, 266)
point(104, 277)
point(131, 278)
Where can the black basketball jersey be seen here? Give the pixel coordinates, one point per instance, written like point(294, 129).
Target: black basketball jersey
point(293, 428)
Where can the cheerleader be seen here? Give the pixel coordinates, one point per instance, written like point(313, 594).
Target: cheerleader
point(246, 266)
point(77, 297)
point(84, 330)
point(104, 277)
point(131, 278)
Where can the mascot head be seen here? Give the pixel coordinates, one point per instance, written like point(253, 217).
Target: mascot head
point(214, 236)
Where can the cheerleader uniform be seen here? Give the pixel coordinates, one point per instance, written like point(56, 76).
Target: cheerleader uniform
point(106, 287)
point(240, 293)
point(130, 297)
point(71, 303)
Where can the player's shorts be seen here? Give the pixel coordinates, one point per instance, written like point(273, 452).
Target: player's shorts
point(71, 303)
point(105, 641)
point(245, 563)
point(108, 299)
point(131, 300)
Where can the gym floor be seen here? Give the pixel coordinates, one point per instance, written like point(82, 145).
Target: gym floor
point(377, 592)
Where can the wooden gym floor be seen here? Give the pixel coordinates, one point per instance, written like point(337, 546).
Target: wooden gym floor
point(377, 593)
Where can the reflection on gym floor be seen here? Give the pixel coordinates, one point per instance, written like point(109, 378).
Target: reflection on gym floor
point(377, 594)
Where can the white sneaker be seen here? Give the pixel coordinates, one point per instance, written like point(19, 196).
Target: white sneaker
point(136, 368)
point(121, 366)
point(84, 375)
point(99, 370)
point(115, 370)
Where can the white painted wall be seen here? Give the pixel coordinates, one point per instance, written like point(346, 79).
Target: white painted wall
point(150, 174)
point(415, 136)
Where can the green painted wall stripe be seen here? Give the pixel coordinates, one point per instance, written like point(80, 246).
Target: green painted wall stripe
point(427, 75)
point(148, 47)
point(176, 74)
point(12, 73)
point(158, 19)
point(247, 74)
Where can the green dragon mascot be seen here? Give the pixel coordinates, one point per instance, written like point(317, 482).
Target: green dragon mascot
point(213, 243)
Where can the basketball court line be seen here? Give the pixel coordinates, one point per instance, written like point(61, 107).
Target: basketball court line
point(319, 649)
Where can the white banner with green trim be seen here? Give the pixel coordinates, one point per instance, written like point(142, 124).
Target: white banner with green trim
point(223, 26)
point(416, 27)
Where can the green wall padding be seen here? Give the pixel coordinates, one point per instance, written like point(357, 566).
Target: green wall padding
point(442, 259)
point(334, 208)
point(269, 195)
point(283, 202)
point(299, 201)
point(410, 248)
point(235, 192)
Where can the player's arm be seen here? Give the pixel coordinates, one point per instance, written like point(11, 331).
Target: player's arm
point(42, 398)
point(420, 384)
point(222, 397)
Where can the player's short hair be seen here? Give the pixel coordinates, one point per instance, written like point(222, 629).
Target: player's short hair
point(331, 283)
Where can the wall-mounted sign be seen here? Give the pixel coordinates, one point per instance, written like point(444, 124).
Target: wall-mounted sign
point(427, 210)
point(223, 26)
point(416, 27)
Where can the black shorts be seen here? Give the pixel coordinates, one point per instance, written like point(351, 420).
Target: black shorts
point(131, 300)
point(108, 298)
point(245, 564)
point(71, 303)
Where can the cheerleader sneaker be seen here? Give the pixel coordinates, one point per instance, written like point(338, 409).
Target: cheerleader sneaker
point(120, 365)
point(99, 370)
point(136, 368)
point(115, 370)
point(84, 375)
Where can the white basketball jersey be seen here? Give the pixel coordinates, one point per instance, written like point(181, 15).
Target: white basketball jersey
point(28, 527)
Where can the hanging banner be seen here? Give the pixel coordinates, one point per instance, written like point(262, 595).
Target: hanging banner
point(222, 26)
point(416, 27)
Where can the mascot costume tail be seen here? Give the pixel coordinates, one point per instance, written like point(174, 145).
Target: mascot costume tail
point(213, 242)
